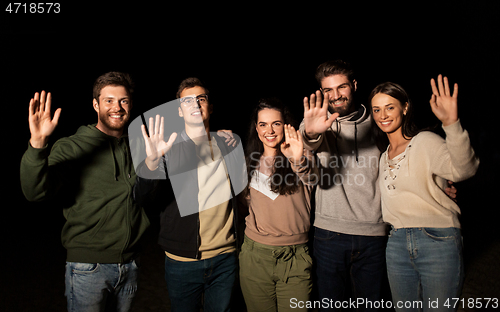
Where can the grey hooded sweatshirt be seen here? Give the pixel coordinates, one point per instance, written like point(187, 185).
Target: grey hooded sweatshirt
point(347, 195)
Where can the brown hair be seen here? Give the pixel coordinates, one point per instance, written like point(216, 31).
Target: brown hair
point(190, 82)
point(408, 127)
point(113, 79)
point(336, 67)
point(280, 182)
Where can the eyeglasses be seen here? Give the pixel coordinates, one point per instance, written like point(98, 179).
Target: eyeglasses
point(189, 101)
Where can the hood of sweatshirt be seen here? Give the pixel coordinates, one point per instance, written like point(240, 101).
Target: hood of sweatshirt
point(88, 136)
point(350, 120)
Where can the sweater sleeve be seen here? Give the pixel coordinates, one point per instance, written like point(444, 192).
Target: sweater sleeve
point(310, 144)
point(42, 172)
point(305, 169)
point(455, 159)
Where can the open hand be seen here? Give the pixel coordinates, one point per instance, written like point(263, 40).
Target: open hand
point(40, 122)
point(293, 147)
point(316, 119)
point(443, 104)
point(156, 146)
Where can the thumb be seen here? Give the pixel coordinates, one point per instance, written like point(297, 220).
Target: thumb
point(172, 138)
point(57, 114)
point(332, 119)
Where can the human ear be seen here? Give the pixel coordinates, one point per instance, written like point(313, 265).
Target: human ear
point(355, 83)
point(96, 105)
point(180, 113)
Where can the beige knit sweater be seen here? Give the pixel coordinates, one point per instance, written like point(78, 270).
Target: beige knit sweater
point(413, 188)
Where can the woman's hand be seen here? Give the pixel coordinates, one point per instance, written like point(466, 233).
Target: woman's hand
point(293, 147)
point(443, 104)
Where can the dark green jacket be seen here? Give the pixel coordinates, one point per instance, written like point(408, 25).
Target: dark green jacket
point(91, 174)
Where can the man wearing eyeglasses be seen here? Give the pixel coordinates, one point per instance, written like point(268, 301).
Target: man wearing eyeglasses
point(198, 228)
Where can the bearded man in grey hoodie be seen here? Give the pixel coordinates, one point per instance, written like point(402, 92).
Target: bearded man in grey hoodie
point(349, 233)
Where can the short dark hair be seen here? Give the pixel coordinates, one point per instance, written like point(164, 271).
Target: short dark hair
point(113, 79)
point(336, 67)
point(190, 82)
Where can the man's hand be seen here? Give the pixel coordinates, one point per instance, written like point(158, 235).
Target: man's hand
point(156, 147)
point(443, 104)
point(41, 125)
point(228, 135)
point(451, 191)
point(316, 119)
point(293, 147)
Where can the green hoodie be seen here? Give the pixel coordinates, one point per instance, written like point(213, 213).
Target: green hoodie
point(92, 176)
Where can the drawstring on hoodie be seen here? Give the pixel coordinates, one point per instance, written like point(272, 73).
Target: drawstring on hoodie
point(114, 160)
point(339, 124)
point(356, 140)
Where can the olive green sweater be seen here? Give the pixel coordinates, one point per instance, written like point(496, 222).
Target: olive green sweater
point(92, 176)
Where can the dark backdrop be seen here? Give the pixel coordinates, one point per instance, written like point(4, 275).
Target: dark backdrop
point(244, 52)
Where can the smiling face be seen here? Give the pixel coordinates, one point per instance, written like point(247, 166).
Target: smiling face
point(340, 90)
point(113, 110)
point(197, 109)
point(270, 128)
point(388, 112)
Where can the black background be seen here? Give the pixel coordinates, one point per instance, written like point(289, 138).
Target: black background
point(243, 52)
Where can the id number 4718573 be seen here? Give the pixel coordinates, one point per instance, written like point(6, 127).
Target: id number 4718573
point(33, 8)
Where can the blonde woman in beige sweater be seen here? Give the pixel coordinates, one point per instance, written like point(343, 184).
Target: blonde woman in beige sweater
point(275, 265)
point(424, 250)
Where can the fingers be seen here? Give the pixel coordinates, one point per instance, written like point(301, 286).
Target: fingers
point(455, 90)
point(144, 133)
point(157, 124)
point(434, 88)
point(446, 87)
point(42, 101)
point(32, 107)
point(306, 104)
point(151, 126)
point(440, 85)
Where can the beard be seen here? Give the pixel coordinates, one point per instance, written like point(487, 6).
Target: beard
point(345, 109)
point(112, 124)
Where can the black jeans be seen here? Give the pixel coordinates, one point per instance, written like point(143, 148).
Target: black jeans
point(350, 270)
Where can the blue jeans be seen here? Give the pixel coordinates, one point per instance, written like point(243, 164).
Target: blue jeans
point(425, 268)
point(187, 281)
point(101, 287)
point(349, 265)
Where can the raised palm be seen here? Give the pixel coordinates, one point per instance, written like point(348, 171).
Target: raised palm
point(40, 122)
point(443, 103)
point(293, 147)
point(156, 146)
point(316, 119)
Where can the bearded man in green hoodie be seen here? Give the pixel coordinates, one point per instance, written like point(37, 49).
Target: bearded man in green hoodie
point(92, 175)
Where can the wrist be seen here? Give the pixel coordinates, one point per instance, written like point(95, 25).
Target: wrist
point(152, 164)
point(448, 122)
point(38, 142)
point(311, 135)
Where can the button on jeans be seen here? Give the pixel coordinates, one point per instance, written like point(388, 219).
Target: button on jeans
point(425, 268)
point(101, 287)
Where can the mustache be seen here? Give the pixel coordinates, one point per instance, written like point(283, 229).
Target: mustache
point(343, 98)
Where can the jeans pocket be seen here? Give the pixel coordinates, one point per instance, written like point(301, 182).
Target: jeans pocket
point(321, 234)
point(440, 234)
point(84, 268)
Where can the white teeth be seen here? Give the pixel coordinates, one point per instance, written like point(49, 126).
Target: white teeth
point(271, 137)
